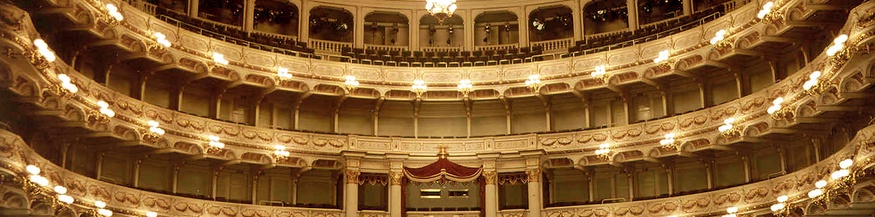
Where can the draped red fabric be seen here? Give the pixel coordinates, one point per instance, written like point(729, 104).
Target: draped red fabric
point(451, 168)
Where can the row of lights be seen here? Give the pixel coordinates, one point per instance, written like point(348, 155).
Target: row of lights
point(62, 197)
point(113, 11)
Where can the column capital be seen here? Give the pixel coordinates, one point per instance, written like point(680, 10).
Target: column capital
point(490, 177)
point(395, 177)
point(352, 176)
point(534, 175)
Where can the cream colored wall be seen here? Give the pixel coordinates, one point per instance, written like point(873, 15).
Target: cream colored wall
point(317, 187)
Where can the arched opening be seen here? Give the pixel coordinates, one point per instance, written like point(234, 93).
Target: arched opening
point(333, 24)
point(605, 16)
point(386, 28)
point(450, 33)
point(223, 11)
point(278, 17)
point(496, 28)
point(550, 23)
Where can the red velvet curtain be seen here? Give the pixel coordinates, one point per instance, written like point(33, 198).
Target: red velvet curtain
point(451, 169)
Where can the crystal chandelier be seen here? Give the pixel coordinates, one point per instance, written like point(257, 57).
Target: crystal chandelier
point(441, 9)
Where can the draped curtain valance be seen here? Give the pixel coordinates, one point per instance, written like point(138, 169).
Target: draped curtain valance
point(443, 169)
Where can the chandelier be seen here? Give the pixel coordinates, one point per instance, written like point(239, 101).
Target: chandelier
point(441, 9)
point(350, 83)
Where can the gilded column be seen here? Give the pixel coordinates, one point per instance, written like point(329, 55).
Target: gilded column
point(632, 6)
point(136, 173)
point(534, 178)
point(395, 193)
point(688, 7)
point(352, 192)
point(491, 206)
point(249, 15)
point(193, 7)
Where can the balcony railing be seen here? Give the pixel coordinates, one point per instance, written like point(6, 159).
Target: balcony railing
point(386, 47)
point(441, 49)
point(554, 46)
point(497, 47)
point(329, 47)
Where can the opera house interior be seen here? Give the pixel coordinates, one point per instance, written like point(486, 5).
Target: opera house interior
point(437, 108)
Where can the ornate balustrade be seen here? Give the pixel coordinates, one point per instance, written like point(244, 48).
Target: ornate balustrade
point(749, 198)
point(441, 49)
point(699, 128)
point(329, 47)
point(689, 47)
point(554, 46)
point(497, 47)
point(386, 47)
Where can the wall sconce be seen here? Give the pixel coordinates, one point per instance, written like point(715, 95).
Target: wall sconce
point(101, 209)
point(154, 132)
point(351, 83)
point(819, 185)
point(812, 85)
point(718, 39)
point(67, 87)
point(161, 42)
point(151, 214)
point(838, 45)
point(220, 59)
point(465, 87)
point(843, 171)
point(44, 51)
point(113, 12)
point(214, 146)
point(668, 141)
point(731, 211)
point(601, 73)
point(780, 205)
point(418, 87)
point(282, 73)
point(534, 82)
point(777, 110)
point(280, 152)
point(663, 57)
point(604, 151)
point(103, 113)
point(728, 129)
point(767, 8)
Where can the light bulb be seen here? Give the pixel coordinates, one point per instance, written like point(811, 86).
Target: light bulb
point(60, 189)
point(65, 198)
point(783, 198)
point(39, 180)
point(841, 39)
point(776, 207)
point(778, 101)
point(846, 163)
point(820, 184)
point(814, 193)
point(102, 104)
point(40, 44)
point(152, 123)
point(732, 210)
point(104, 212)
point(151, 214)
point(33, 170)
point(100, 204)
point(729, 121)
